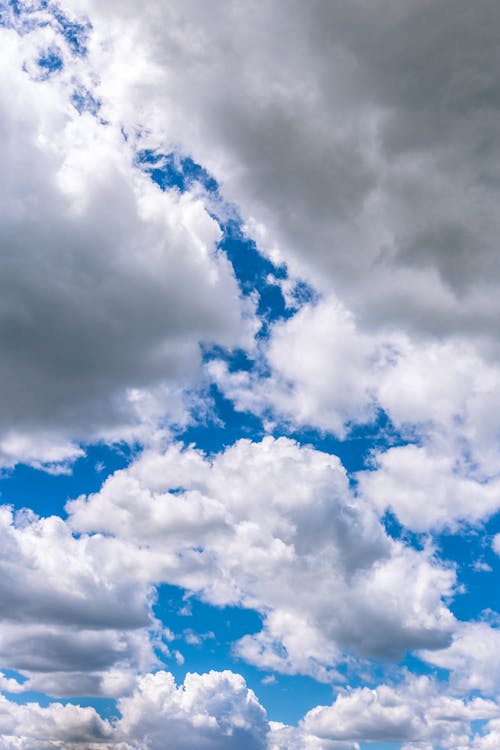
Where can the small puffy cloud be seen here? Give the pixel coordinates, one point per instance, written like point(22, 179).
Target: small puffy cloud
point(425, 490)
point(283, 737)
point(472, 658)
point(328, 373)
point(323, 371)
point(496, 544)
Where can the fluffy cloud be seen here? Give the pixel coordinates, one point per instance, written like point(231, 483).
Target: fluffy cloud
point(416, 711)
point(472, 658)
point(212, 711)
point(107, 284)
point(73, 620)
point(259, 525)
point(31, 727)
point(329, 373)
point(216, 711)
point(366, 159)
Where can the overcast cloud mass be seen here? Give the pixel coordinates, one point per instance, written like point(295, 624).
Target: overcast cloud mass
point(249, 373)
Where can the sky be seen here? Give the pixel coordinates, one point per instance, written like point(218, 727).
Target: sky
point(249, 371)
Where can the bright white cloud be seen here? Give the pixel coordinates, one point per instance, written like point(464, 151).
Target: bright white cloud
point(259, 525)
point(328, 373)
point(472, 658)
point(209, 711)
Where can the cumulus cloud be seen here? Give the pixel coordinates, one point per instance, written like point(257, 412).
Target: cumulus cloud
point(326, 372)
point(216, 711)
point(212, 711)
point(415, 711)
point(73, 621)
point(33, 727)
point(259, 525)
point(472, 658)
point(108, 284)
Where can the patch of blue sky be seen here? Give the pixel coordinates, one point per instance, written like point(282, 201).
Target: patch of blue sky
point(76, 33)
point(252, 269)
point(49, 63)
point(51, 60)
point(205, 636)
point(84, 101)
point(471, 551)
point(24, 16)
point(46, 494)
point(222, 426)
point(175, 171)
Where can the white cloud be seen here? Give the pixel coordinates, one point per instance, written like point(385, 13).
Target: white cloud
point(74, 620)
point(209, 711)
point(472, 658)
point(259, 525)
point(33, 727)
point(419, 710)
point(216, 711)
point(427, 491)
point(329, 373)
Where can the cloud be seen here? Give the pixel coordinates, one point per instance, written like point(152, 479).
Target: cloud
point(471, 658)
point(33, 727)
point(368, 161)
point(209, 711)
point(108, 284)
point(74, 621)
point(216, 710)
point(258, 526)
point(415, 711)
point(325, 371)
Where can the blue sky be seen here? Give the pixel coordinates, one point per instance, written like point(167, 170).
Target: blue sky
point(249, 435)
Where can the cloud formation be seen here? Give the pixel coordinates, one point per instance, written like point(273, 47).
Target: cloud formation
point(358, 143)
point(259, 525)
point(108, 284)
point(359, 140)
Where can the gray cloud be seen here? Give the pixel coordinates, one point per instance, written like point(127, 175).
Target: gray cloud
point(361, 137)
point(107, 284)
